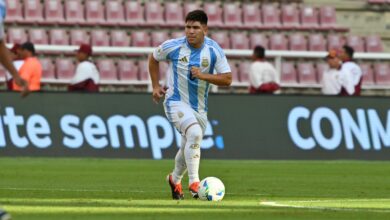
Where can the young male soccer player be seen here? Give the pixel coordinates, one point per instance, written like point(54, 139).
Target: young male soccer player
point(195, 61)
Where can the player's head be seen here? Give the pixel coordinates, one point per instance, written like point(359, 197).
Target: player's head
point(258, 52)
point(347, 53)
point(196, 27)
point(84, 52)
point(333, 59)
point(27, 50)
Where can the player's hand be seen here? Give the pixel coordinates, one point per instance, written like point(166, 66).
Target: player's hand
point(158, 93)
point(23, 85)
point(196, 72)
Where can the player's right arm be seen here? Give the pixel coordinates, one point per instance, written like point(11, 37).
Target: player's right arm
point(158, 92)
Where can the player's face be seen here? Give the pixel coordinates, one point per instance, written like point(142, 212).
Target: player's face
point(195, 33)
point(81, 56)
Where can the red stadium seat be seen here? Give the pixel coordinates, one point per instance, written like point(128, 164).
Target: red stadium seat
point(134, 12)
point(239, 40)
point(94, 12)
point(114, 13)
point(54, 12)
point(328, 17)
point(258, 39)
point(38, 36)
point(251, 15)
point(190, 6)
point(290, 16)
point(297, 42)
point(317, 42)
point(74, 12)
point(244, 68)
point(127, 70)
point(120, 38)
point(222, 39)
point(368, 74)
point(154, 13)
point(140, 39)
point(33, 12)
point(100, 38)
point(16, 35)
point(48, 72)
point(309, 17)
point(214, 14)
point(356, 43)
point(307, 73)
point(65, 68)
point(271, 16)
point(278, 42)
point(374, 44)
point(232, 15)
point(107, 70)
point(14, 11)
point(158, 38)
point(79, 36)
point(163, 70)
point(289, 73)
point(143, 71)
point(174, 14)
point(59, 37)
point(335, 42)
point(235, 73)
point(321, 68)
point(382, 73)
point(177, 34)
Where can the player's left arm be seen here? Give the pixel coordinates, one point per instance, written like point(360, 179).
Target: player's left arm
point(219, 79)
point(224, 73)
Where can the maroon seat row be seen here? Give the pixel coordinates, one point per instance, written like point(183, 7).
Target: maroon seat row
point(171, 14)
point(233, 40)
point(131, 71)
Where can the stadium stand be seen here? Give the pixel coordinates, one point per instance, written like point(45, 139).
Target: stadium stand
point(238, 25)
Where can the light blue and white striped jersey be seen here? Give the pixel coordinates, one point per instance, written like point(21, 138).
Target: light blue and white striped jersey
point(210, 58)
point(3, 12)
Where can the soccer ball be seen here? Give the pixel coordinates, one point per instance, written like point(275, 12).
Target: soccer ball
point(211, 189)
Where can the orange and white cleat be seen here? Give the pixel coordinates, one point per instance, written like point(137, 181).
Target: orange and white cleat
point(194, 189)
point(177, 189)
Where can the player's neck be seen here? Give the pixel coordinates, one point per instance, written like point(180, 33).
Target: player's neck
point(196, 46)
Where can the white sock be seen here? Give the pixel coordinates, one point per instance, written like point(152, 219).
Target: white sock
point(180, 163)
point(192, 152)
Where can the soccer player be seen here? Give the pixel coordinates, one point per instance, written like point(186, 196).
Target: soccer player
point(195, 61)
point(5, 56)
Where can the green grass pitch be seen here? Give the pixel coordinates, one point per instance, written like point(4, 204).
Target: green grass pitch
point(39, 188)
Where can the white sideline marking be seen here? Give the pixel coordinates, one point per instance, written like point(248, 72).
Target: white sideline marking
point(278, 204)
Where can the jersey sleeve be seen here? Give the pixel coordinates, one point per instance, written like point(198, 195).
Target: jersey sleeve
point(221, 65)
point(161, 53)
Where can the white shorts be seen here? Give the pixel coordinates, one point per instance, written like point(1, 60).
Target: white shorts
point(182, 116)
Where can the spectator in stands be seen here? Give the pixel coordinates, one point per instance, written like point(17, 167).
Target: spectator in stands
point(87, 76)
point(263, 77)
point(17, 61)
point(353, 74)
point(331, 84)
point(31, 70)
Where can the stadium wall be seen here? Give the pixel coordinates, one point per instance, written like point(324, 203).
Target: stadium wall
point(240, 127)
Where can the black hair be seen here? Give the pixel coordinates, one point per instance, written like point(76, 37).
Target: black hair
point(259, 52)
point(197, 15)
point(349, 50)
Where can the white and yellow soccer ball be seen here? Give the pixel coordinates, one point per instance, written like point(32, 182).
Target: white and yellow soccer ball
point(211, 189)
